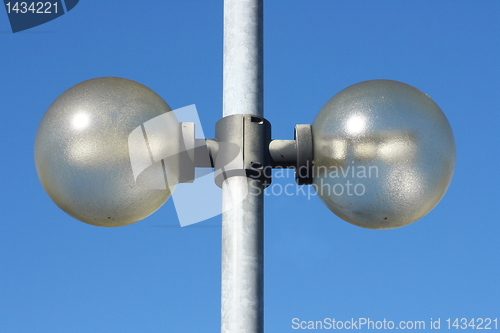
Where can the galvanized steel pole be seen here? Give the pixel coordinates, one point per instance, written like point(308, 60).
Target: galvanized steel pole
point(242, 308)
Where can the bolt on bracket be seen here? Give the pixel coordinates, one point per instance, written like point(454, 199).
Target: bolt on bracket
point(243, 147)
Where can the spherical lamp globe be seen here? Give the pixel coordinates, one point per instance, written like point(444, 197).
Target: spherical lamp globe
point(82, 151)
point(384, 154)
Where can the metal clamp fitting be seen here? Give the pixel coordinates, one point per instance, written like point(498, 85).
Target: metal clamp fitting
point(243, 148)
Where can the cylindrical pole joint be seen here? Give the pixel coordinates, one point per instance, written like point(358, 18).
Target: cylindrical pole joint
point(242, 305)
point(243, 148)
point(297, 153)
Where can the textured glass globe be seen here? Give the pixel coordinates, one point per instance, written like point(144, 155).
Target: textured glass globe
point(384, 154)
point(82, 151)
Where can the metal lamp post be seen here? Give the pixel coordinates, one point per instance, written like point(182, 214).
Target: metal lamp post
point(242, 222)
point(103, 160)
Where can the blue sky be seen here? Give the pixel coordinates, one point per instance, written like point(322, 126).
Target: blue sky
point(60, 275)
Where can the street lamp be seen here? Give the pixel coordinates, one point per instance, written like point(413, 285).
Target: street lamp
point(384, 154)
point(82, 154)
point(110, 151)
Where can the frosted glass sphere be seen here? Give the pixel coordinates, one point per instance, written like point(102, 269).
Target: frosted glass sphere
point(384, 154)
point(82, 151)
